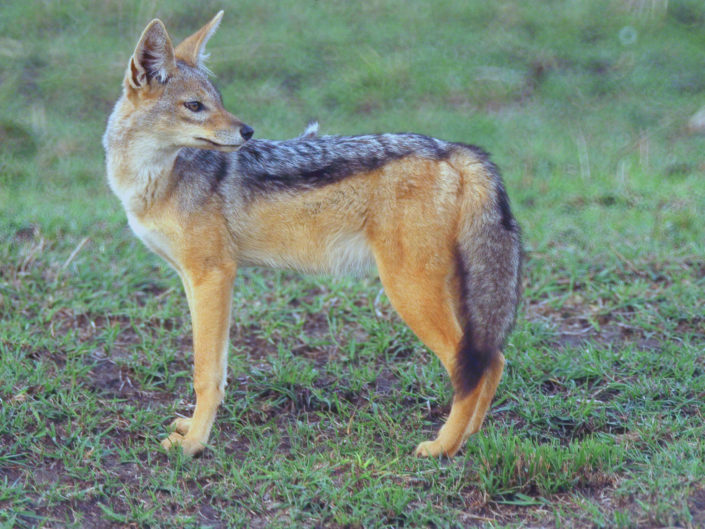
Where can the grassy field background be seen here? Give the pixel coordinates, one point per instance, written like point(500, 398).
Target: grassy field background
point(598, 421)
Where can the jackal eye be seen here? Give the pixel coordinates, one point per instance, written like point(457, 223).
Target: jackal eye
point(194, 106)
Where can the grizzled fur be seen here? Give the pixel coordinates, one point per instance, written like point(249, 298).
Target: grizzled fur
point(300, 163)
point(308, 161)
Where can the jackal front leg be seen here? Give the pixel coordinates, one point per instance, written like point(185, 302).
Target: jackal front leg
point(210, 298)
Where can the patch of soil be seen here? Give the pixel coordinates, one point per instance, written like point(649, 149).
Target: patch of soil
point(696, 505)
point(578, 318)
point(111, 380)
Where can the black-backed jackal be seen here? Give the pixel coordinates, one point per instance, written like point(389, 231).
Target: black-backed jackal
point(432, 216)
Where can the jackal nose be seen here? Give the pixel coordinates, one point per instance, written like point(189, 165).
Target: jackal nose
point(246, 132)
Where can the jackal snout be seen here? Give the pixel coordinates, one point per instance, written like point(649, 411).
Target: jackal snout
point(228, 136)
point(234, 133)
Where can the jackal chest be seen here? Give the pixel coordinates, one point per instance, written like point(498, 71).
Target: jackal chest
point(154, 238)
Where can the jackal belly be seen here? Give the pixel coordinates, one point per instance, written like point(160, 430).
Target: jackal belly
point(317, 230)
point(335, 253)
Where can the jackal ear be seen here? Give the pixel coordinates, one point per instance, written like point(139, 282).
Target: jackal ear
point(193, 49)
point(153, 57)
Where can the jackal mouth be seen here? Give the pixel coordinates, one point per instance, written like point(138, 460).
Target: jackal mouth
point(223, 146)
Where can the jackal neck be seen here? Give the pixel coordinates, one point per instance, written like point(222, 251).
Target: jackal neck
point(139, 169)
point(140, 179)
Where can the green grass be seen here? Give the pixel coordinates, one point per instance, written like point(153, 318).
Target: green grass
point(598, 421)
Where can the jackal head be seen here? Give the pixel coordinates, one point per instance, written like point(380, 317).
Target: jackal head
point(173, 98)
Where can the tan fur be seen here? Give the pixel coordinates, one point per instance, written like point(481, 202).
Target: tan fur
point(405, 217)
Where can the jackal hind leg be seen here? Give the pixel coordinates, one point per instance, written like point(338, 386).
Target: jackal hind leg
point(426, 302)
point(210, 299)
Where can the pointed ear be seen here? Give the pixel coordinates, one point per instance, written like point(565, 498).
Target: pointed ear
point(153, 57)
point(193, 49)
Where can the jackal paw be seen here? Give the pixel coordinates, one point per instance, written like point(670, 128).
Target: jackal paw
point(181, 425)
point(190, 447)
point(431, 449)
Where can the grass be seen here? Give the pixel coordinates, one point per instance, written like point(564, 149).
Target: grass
point(598, 421)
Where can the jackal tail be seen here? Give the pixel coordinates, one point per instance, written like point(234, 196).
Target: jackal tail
point(488, 263)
